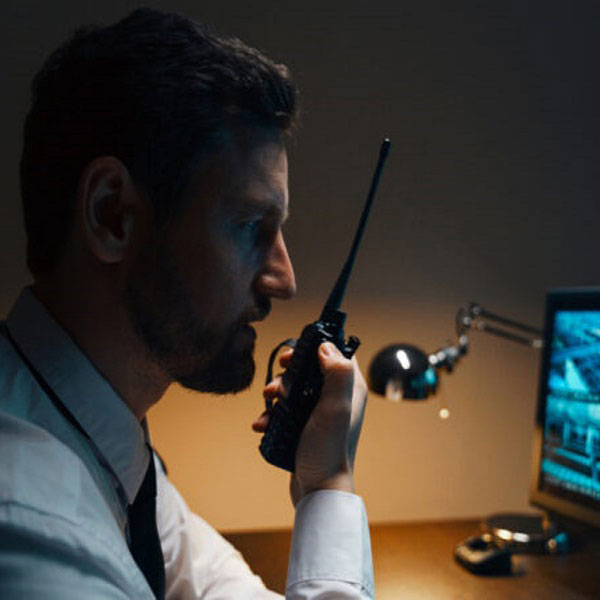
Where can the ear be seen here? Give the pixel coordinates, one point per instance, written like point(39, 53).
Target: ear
point(111, 208)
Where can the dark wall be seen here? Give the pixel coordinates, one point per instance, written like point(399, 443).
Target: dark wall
point(491, 189)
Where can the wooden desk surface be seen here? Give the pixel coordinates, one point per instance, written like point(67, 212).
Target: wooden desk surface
point(415, 560)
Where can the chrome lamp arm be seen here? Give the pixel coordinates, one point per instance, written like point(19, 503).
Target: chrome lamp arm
point(403, 371)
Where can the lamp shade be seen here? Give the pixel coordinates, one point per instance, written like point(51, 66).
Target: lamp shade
point(402, 371)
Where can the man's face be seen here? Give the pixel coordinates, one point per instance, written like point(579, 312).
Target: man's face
point(196, 286)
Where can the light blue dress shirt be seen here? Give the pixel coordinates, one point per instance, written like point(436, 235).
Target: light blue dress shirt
point(64, 495)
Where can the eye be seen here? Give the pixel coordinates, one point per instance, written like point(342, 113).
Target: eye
point(250, 227)
point(256, 233)
point(249, 231)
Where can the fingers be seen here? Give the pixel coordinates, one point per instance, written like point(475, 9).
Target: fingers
point(286, 357)
point(327, 446)
point(322, 457)
point(260, 424)
point(273, 390)
point(332, 361)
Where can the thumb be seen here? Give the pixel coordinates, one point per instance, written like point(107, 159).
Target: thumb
point(338, 374)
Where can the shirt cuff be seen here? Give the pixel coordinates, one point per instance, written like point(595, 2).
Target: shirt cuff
point(331, 541)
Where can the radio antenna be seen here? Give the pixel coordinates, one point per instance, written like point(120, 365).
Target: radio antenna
point(334, 301)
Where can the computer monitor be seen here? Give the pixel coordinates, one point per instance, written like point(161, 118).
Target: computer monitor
point(566, 449)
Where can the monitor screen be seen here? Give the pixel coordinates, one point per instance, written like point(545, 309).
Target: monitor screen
point(566, 453)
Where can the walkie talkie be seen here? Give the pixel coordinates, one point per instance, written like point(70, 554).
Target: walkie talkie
point(303, 379)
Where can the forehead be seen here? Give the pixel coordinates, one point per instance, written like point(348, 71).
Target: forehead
point(249, 176)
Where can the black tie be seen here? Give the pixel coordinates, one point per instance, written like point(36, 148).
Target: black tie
point(145, 543)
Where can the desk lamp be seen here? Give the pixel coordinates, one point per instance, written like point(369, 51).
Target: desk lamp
point(403, 371)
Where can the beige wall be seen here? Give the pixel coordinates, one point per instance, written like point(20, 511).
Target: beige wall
point(490, 194)
point(411, 464)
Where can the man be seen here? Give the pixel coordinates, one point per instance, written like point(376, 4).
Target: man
point(154, 186)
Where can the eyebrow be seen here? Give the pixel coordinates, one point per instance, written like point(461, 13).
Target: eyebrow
point(254, 205)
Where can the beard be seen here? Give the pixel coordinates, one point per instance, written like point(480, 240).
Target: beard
point(162, 315)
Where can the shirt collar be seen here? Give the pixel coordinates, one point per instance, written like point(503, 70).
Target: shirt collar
point(103, 415)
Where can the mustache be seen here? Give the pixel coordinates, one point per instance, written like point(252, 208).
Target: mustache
point(260, 312)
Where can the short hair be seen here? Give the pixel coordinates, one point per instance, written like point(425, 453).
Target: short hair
point(156, 90)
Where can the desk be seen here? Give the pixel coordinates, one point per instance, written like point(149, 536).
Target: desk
point(415, 560)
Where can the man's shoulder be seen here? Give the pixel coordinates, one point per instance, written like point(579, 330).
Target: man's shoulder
point(39, 470)
point(40, 475)
point(48, 467)
point(53, 516)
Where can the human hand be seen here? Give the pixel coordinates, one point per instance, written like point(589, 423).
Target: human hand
point(327, 446)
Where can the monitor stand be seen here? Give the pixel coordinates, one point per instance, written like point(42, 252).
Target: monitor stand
point(528, 533)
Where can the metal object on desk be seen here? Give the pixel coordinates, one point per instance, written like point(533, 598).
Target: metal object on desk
point(533, 534)
point(482, 555)
point(505, 534)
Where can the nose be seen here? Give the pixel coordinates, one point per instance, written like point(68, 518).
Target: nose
point(276, 279)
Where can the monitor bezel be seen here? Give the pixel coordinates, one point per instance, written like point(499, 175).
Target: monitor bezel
point(566, 503)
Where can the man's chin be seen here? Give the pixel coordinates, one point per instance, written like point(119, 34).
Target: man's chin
point(229, 377)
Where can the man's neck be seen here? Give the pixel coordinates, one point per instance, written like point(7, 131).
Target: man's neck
point(99, 325)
